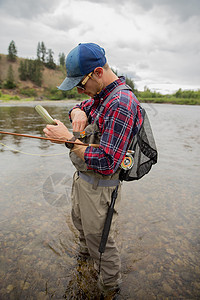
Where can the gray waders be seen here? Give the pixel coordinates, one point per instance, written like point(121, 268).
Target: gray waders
point(91, 198)
point(95, 201)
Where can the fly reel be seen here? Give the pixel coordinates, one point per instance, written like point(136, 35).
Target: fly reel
point(127, 162)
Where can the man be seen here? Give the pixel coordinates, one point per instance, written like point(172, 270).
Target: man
point(111, 125)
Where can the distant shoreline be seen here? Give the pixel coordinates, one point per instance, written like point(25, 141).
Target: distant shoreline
point(17, 100)
point(36, 102)
point(74, 101)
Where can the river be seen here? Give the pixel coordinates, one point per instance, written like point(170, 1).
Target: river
point(158, 230)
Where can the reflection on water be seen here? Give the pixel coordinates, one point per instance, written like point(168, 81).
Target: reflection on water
point(26, 120)
point(159, 218)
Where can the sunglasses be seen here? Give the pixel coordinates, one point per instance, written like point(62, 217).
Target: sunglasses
point(83, 82)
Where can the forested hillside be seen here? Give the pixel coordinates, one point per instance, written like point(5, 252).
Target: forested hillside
point(38, 79)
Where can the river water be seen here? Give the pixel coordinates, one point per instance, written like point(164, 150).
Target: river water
point(158, 226)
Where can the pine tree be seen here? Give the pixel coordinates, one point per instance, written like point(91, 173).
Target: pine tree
point(37, 74)
point(38, 51)
point(31, 70)
point(62, 59)
point(23, 70)
point(130, 83)
point(50, 61)
point(12, 51)
point(10, 83)
point(34, 68)
point(43, 51)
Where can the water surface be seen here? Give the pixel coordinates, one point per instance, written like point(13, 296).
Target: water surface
point(159, 222)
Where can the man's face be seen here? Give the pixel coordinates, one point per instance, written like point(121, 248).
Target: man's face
point(91, 87)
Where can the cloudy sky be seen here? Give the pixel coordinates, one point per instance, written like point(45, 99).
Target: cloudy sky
point(154, 42)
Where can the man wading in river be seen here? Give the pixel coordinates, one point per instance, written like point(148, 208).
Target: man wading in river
point(112, 126)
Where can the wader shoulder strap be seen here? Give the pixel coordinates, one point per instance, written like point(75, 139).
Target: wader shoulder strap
point(117, 89)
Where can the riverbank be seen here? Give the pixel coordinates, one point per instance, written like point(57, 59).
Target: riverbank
point(32, 102)
point(14, 98)
point(17, 100)
point(171, 100)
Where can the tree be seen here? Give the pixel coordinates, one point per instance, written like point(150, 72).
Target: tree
point(178, 94)
point(34, 70)
point(38, 51)
point(12, 51)
point(31, 70)
point(50, 61)
point(23, 71)
point(62, 59)
point(37, 74)
point(43, 51)
point(130, 83)
point(10, 83)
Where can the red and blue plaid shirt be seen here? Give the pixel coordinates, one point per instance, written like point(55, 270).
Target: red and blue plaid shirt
point(118, 123)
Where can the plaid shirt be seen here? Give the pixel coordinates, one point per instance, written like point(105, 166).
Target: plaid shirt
point(118, 123)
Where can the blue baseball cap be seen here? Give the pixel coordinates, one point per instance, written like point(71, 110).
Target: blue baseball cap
point(80, 61)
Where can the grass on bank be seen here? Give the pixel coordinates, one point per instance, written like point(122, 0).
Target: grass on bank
point(55, 97)
point(8, 97)
point(187, 97)
point(171, 100)
point(32, 94)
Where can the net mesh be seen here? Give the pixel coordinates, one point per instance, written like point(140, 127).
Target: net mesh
point(145, 152)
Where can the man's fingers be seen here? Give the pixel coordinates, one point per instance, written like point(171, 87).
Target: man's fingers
point(53, 126)
point(58, 122)
point(58, 132)
point(45, 130)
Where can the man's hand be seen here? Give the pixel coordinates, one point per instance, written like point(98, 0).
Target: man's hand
point(58, 131)
point(79, 120)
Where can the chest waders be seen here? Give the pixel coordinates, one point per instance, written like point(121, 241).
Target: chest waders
point(92, 135)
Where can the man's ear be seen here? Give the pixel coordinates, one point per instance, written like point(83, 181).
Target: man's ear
point(98, 72)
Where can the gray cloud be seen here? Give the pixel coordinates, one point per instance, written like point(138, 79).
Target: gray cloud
point(183, 8)
point(153, 42)
point(143, 66)
point(63, 22)
point(27, 8)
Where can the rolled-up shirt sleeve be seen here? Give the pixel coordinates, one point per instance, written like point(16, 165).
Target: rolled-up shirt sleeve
point(85, 106)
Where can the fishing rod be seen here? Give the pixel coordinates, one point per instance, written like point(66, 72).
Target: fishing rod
point(49, 120)
point(55, 140)
point(49, 139)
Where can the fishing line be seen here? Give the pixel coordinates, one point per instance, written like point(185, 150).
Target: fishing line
point(32, 154)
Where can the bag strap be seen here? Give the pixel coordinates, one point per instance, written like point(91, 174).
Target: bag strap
point(117, 89)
